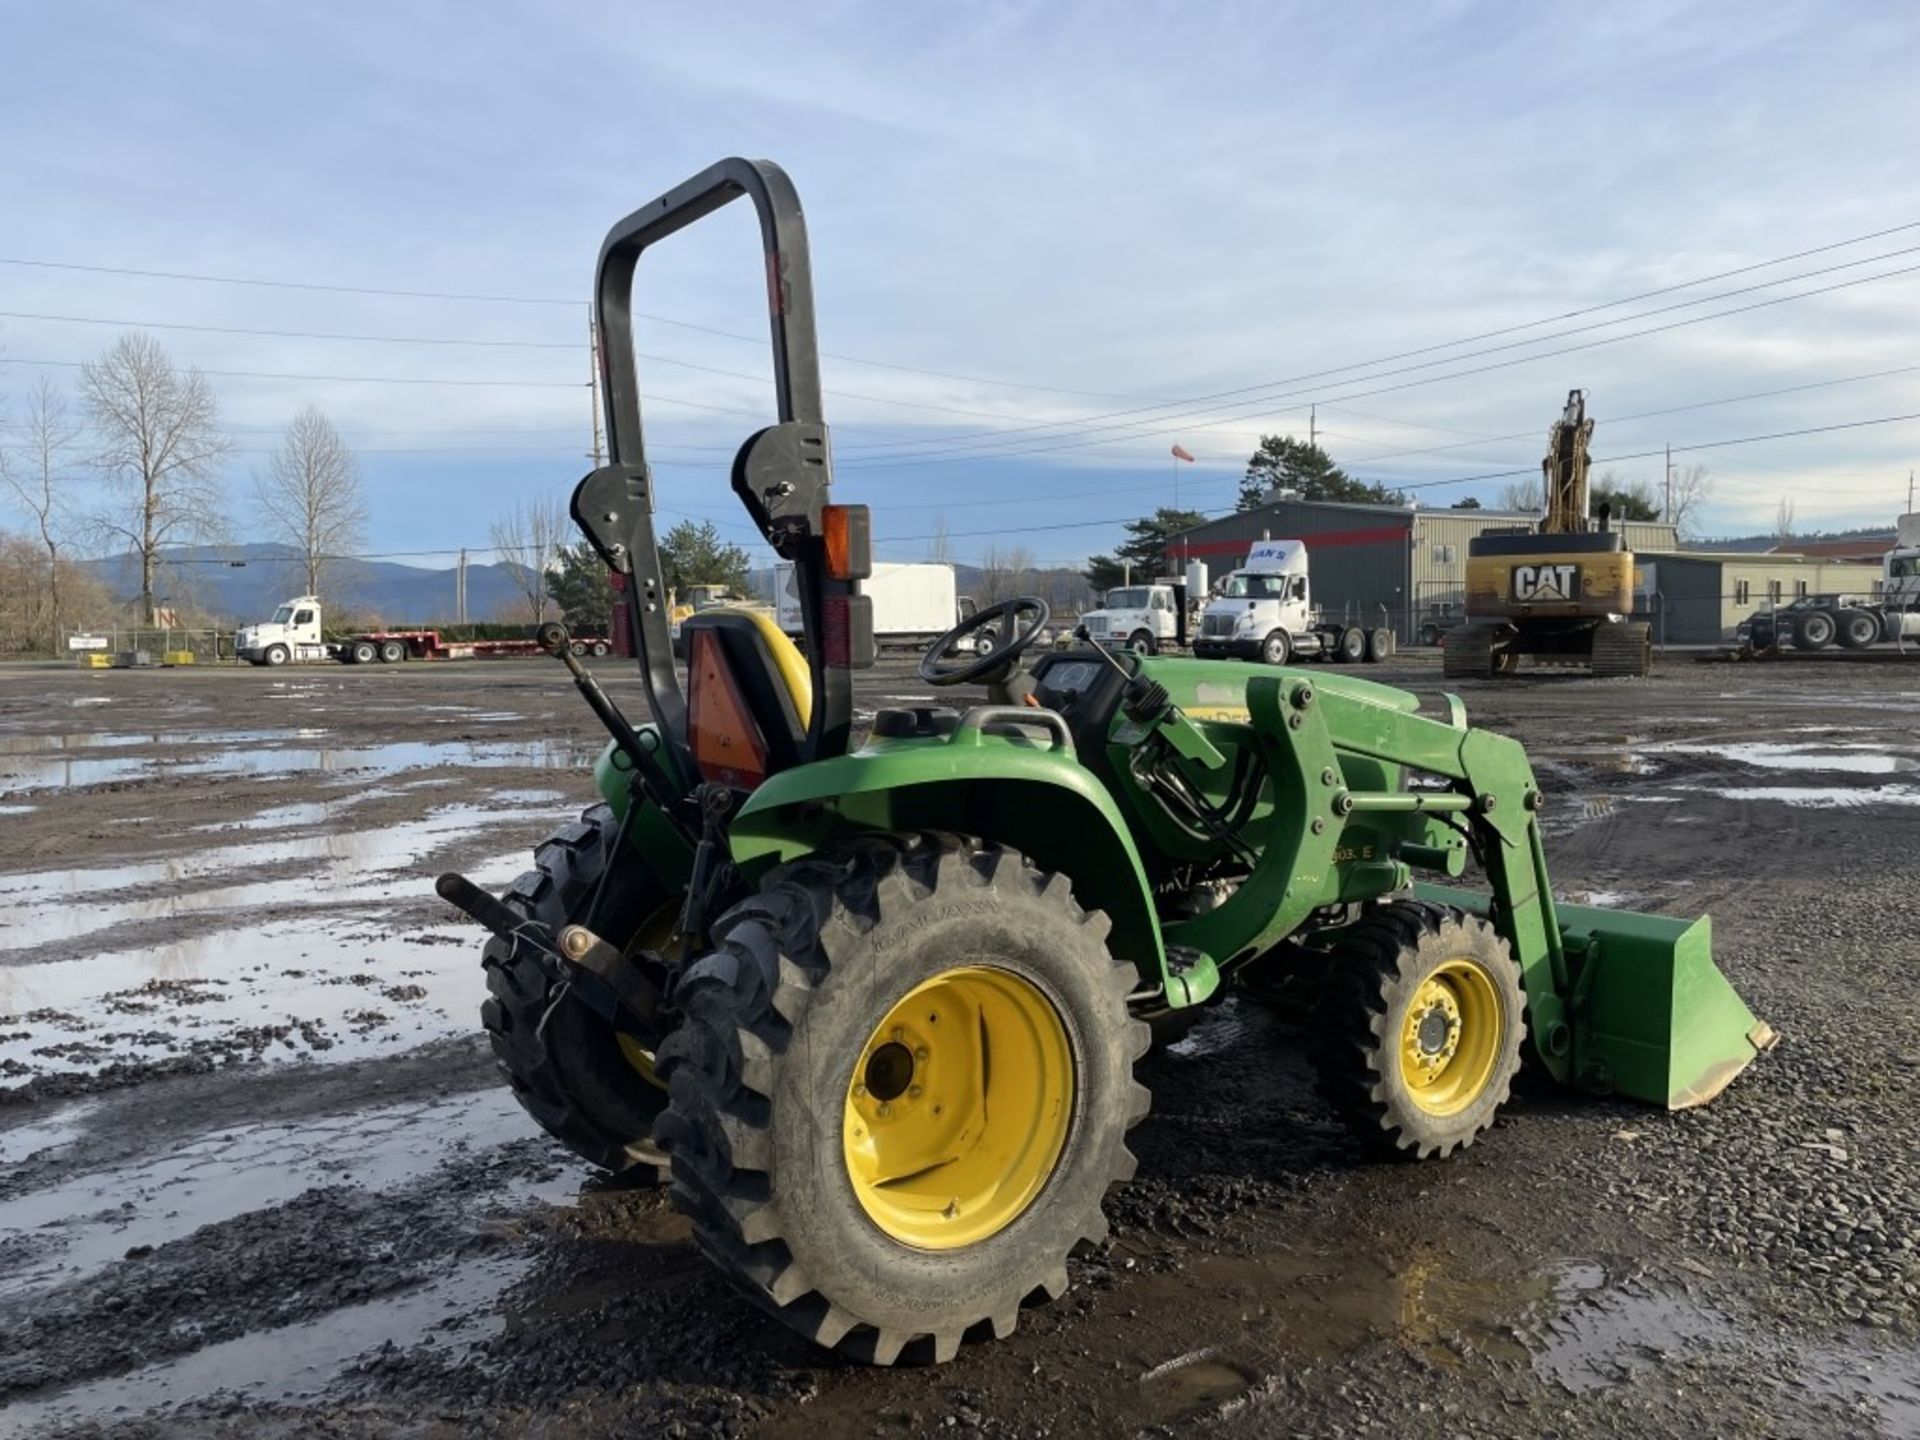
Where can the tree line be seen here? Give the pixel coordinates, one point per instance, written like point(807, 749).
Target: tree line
point(1284, 467)
point(135, 468)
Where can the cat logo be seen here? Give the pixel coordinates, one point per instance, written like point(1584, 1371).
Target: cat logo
point(1544, 582)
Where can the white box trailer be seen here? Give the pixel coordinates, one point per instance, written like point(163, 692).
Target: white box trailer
point(912, 603)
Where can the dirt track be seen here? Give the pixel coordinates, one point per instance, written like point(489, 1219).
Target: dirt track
point(257, 1176)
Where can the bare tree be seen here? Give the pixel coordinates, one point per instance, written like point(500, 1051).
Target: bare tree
point(528, 539)
point(38, 476)
point(311, 495)
point(160, 451)
point(1783, 521)
point(1690, 486)
point(1521, 495)
point(939, 549)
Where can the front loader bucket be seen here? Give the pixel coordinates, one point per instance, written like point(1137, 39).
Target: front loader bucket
point(1653, 1017)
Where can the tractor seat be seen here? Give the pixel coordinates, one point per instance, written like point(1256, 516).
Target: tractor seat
point(749, 696)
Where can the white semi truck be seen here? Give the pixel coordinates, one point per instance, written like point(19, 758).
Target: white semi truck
point(296, 635)
point(1265, 611)
point(1853, 622)
point(912, 603)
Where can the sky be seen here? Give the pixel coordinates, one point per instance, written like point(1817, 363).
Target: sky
point(1050, 241)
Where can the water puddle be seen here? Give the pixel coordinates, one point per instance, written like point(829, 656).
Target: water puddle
point(292, 1362)
point(1859, 758)
point(21, 774)
point(337, 869)
point(75, 1228)
point(1815, 797)
point(1575, 1325)
point(62, 1127)
point(1190, 1385)
point(60, 744)
point(319, 987)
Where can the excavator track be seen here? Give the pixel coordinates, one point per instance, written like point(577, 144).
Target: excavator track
point(1469, 652)
point(1622, 647)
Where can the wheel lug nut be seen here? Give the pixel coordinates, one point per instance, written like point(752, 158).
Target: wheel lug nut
point(913, 1092)
point(859, 1090)
point(920, 1052)
point(885, 1111)
point(898, 1032)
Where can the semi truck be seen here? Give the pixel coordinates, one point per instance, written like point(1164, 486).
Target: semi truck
point(1265, 611)
point(1853, 622)
point(297, 635)
point(912, 602)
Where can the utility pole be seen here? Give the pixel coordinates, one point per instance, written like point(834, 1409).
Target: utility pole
point(1909, 491)
point(593, 384)
point(1667, 514)
point(460, 589)
point(1313, 425)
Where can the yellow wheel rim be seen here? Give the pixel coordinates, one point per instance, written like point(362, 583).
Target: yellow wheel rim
point(1450, 1038)
point(958, 1108)
point(657, 934)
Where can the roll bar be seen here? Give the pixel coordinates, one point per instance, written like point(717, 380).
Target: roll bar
point(782, 473)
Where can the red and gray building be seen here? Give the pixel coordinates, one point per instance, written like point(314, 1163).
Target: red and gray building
point(1373, 562)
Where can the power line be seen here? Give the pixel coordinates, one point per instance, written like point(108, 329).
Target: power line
point(1458, 479)
point(1179, 423)
point(403, 294)
point(489, 344)
point(1507, 330)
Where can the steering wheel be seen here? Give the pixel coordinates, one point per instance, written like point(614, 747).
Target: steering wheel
point(1005, 649)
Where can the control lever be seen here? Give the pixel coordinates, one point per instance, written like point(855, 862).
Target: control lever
point(554, 639)
point(1146, 700)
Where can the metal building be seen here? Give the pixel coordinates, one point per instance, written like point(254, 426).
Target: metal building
point(1699, 597)
point(1391, 564)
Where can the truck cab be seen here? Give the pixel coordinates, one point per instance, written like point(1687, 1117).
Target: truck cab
point(1264, 610)
point(1141, 618)
point(293, 634)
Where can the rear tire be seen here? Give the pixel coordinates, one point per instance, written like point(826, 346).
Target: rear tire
point(1276, 649)
point(1352, 647)
point(1418, 1028)
point(601, 649)
point(578, 1083)
point(392, 652)
point(1858, 629)
point(1814, 631)
point(1429, 636)
point(1379, 645)
point(363, 653)
point(806, 1192)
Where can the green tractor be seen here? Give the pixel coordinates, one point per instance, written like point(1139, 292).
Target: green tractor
point(879, 1009)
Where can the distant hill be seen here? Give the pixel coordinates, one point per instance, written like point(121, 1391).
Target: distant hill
point(1761, 543)
point(232, 584)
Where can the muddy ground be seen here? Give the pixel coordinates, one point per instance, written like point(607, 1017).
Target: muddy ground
point(257, 1176)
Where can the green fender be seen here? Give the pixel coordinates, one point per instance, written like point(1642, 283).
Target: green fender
point(1038, 800)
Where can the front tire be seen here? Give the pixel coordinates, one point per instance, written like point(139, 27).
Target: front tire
point(1418, 1028)
point(830, 1127)
point(276, 656)
point(578, 1080)
point(1276, 649)
point(1142, 643)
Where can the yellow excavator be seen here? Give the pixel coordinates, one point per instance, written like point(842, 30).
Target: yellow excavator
point(1559, 594)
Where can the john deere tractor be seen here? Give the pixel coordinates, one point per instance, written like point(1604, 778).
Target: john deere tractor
point(879, 1009)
